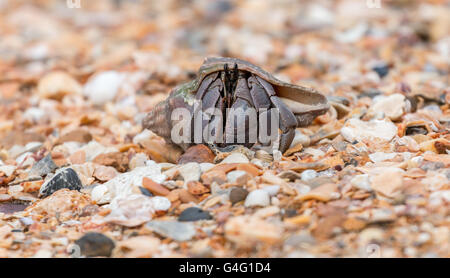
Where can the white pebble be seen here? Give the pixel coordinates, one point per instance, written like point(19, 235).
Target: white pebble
point(272, 189)
point(103, 87)
point(237, 176)
point(236, 158)
point(257, 198)
point(308, 175)
point(361, 182)
point(161, 203)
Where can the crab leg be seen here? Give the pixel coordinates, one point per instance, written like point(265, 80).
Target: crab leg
point(288, 122)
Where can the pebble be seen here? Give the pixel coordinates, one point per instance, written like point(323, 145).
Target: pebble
point(197, 153)
point(256, 198)
point(388, 183)
point(134, 210)
point(197, 188)
point(206, 166)
point(103, 87)
point(57, 84)
point(300, 138)
point(272, 189)
point(236, 158)
point(323, 193)
point(246, 231)
point(154, 187)
point(214, 176)
point(238, 177)
point(178, 231)
point(308, 175)
point(190, 172)
point(105, 173)
point(380, 156)
point(138, 160)
point(126, 184)
point(194, 214)
point(77, 135)
point(357, 130)
point(8, 170)
point(392, 106)
point(139, 246)
point(238, 194)
point(361, 182)
point(66, 178)
point(95, 244)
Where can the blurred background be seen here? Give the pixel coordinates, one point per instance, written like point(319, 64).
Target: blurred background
point(359, 44)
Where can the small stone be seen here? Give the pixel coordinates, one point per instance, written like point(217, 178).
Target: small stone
point(293, 149)
point(272, 189)
point(67, 178)
point(197, 188)
point(263, 156)
point(138, 160)
point(204, 167)
point(357, 130)
point(5, 197)
point(300, 138)
point(323, 193)
point(15, 189)
point(43, 167)
point(238, 194)
point(78, 157)
point(249, 168)
point(8, 170)
point(95, 244)
point(380, 156)
point(308, 175)
point(56, 85)
point(238, 177)
point(392, 106)
point(185, 196)
point(388, 183)
point(135, 209)
point(154, 187)
point(382, 69)
point(105, 173)
point(361, 182)
point(194, 214)
point(190, 172)
point(117, 160)
point(256, 198)
point(214, 176)
point(179, 231)
point(139, 247)
point(145, 191)
point(246, 231)
point(78, 135)
point(236, 158)
point(103, 87)
point(31, 186)
point(197, 153)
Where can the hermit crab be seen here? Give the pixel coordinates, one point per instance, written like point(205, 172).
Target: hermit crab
point(230, 84)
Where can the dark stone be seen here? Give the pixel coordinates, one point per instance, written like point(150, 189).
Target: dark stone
point(95, 244)
point(412, 130)
point(145, 191)
point(67, 178)
point(238, 194)
point(194, 214)
point(382, 70)
point(43, 167)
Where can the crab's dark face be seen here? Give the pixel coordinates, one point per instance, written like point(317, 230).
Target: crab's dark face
point(243, 98)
